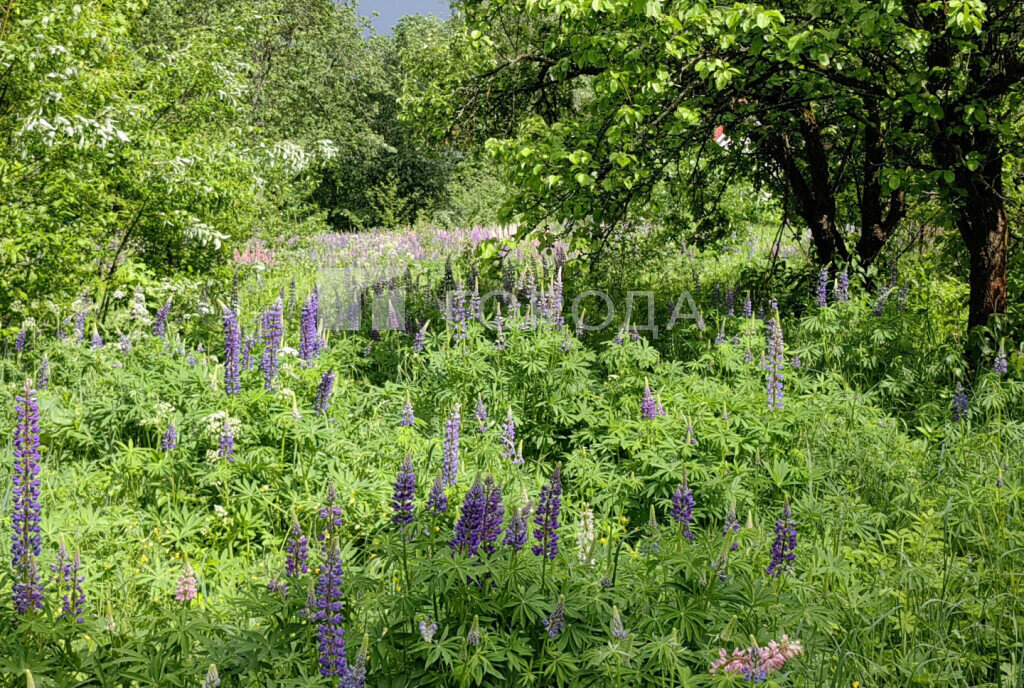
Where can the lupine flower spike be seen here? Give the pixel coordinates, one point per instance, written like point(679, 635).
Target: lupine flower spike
point(481, 414)
point(515, 534)
point(328, 605)
point(437, 500)
point(732, 526)
point(648, 406)
point(185, 591)
point(232, 353)
point(297, 549)
point(546, 520)
point(212, 678)
point(682, 508)
point(405, 490)
point(960, 403)
point(451, 447)
point(408, 414)
point(784, 547)
point(999, 367)
point(322, 403)
point(26, 540)
point(618, 631)
point(555, 624)
point(170, 438)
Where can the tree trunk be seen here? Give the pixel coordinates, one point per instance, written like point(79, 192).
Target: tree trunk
point(985, 229)
point(877, 224)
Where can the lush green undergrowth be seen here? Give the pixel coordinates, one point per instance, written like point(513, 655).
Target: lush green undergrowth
point(908, 521)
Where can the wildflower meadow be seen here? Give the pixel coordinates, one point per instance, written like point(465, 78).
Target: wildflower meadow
point(320, 368)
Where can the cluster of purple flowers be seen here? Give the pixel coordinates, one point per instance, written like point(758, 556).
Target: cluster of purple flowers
point(515, 533)
point(226, 448)
point(682, 508)
point(1000, 366)
point(327, 614)
point(273, 331)
point(160, 321)
point(784, 547)
point(185, 591)
point(43, 377)
point(508, 440)
point(297, 550)
point(405, 490)
point(67, 575)
point(774, 363)
point(480, 519)
point(437, 500)
point(843, 286)
point(19, 340)
point(452, 429)
point(26, 540)
point(960, 403)
point(232, 353)
point(323, 393)
point(549, 507)
point(555, 624)
point(822, 293)
point(170, 438)
point(408, 415)
point(309, 339)
point(648, 404)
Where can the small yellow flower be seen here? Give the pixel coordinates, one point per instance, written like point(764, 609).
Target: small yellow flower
point(143, 558)
point(856, 684)
point(604, 541)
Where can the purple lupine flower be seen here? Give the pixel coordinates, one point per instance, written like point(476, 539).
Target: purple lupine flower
point(796, 362)
point(356, 675)
point(618, 630)
point(1000, 366)
point(419, 341)
point(732, 525)
point(682, 508)
point(273, 330)
point(748, 307)
point(232, 353)
point(494, 514)
point(883, 298)
point(960, 403)
point(458, 314)
point(19, 340)
point(330, 515)
point(297, 550)
point(248, 344)
point(720, 338)
point(648, 408)
point(774, 362)
point(408, 414)
point(309, 339)
point(508, 440)
point(26, 538)
point(160, 321)
point(126, 344)
point(617, 339)
point(170, 438)
point(97, 340)
point(185, 591)
point(212, 679)
point(823, 287)
point(405, 490)
point(69, 579)
point(784, 547)
point(481, 414)
point(843, 286)
point(515, 534)
point(226, 445)
point(428, 628)
point(548, 508)
point(470, 526)
point(730, 302)
point(437, 500)
point(451, 447)
point(690, 439)
point(555, 624)
point(80, 326)
point(329, 631)
point(43, 378)
point(323, 393)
